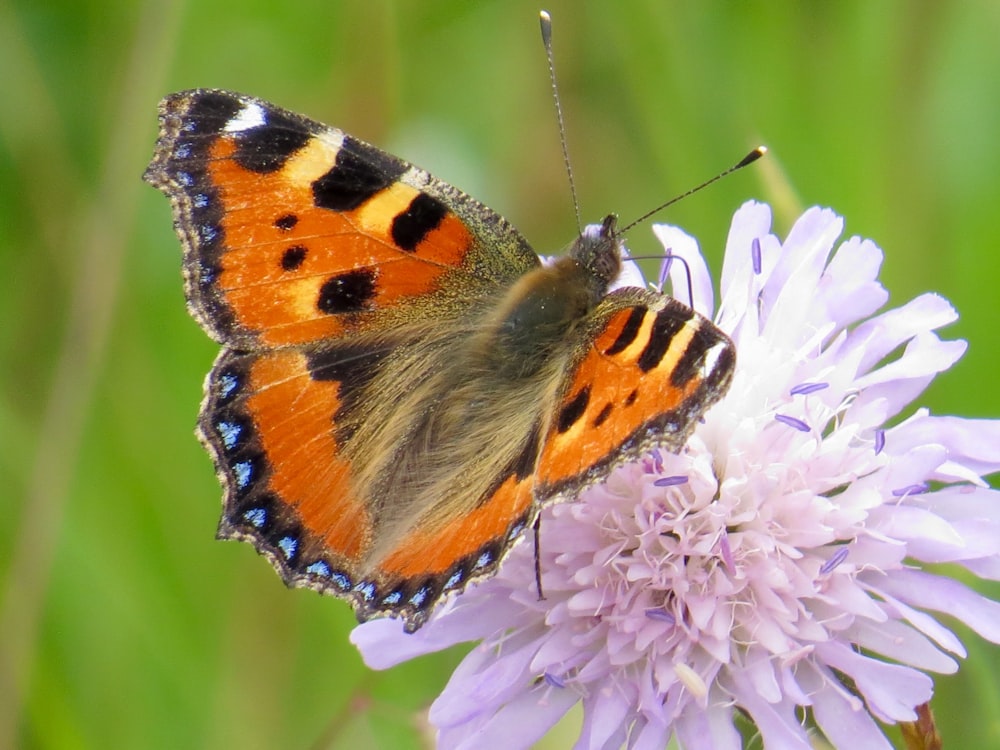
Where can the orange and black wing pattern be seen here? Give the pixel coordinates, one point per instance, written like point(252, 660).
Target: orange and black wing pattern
point(295, 232)
point(652, 368)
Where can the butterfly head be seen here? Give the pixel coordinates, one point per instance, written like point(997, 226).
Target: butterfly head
point(598, 252)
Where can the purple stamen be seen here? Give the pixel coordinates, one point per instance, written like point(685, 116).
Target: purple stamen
point(804, 389)
point(913, 489)
point(879, 440)
point(670, 481)
point(798, 424)
point(658, 613)
point(727, 552)
point(755, 255)
point(668, 261)
point(838, 557)
point(554, 680)
point(657, 459)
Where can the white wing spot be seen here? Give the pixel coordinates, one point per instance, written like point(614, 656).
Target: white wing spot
point(251, 116)
point(712, 359)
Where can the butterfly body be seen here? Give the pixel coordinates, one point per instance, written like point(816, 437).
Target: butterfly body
point(403, 385)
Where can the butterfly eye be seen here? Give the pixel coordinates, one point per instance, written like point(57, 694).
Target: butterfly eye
point(599, 251)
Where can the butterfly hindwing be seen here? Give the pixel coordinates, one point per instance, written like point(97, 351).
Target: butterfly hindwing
point(270, 421)
point(267, 420)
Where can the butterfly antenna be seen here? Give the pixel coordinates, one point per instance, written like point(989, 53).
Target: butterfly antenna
point(745, 161)
point(546, 21)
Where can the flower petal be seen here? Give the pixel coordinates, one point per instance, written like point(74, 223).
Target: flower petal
point(604, 719)
point(900, 642)
point(973, 442)
point(777, 724)
point(941, 594)
point(842, 717)
point(891, 690)
point(752, 222)
point(519, 723)
point(708, 729)
point(849, 289)
point(693, 270)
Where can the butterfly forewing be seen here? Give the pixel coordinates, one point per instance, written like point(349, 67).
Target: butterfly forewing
point(296, 232)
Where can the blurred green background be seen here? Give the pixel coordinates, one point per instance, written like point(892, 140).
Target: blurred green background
point(122, 622)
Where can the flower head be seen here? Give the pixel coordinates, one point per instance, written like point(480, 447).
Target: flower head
point(777, 562)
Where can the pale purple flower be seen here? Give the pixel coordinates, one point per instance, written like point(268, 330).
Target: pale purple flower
point(782, 551)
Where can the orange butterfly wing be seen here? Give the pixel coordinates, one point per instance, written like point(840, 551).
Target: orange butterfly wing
point(653, 367)
point(295, 232)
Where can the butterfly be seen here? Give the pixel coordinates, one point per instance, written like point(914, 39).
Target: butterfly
point(402, 384)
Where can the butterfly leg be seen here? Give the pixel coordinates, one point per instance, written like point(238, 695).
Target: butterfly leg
point(536, 527)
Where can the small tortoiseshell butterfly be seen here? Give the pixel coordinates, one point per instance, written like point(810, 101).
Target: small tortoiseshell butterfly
point(402, 383)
